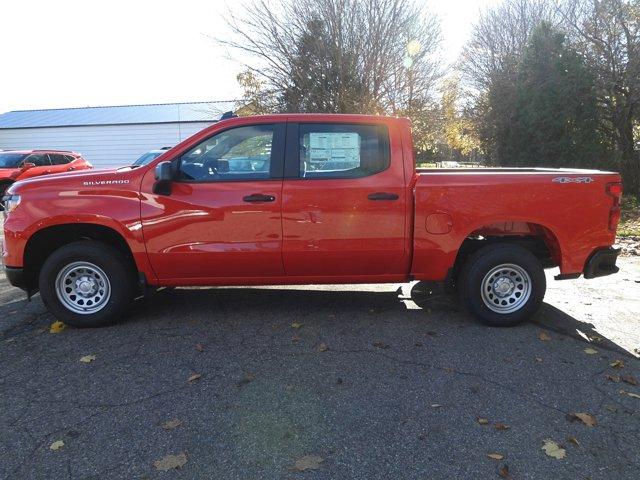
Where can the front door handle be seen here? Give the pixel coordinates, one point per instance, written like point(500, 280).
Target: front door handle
point(258, 197)
point(382, 196)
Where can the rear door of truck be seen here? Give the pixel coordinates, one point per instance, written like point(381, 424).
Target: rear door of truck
point(344, 199)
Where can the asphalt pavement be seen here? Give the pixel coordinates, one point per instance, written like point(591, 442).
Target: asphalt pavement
point(325, 382)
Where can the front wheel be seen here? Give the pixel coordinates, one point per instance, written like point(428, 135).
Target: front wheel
point(87, 284)
point(502, 284)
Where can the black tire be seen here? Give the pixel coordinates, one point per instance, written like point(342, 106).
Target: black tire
point(481, 263)
point(114, 265)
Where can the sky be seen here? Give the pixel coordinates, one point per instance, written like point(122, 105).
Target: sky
point(70, 53)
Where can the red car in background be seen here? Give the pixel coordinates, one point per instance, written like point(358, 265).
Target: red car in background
point(20, 164)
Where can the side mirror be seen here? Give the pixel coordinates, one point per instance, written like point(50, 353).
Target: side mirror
point(27, 166)
point(164, 176)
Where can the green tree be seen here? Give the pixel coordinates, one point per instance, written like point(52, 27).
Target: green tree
point(555, 119)
point(607, 34)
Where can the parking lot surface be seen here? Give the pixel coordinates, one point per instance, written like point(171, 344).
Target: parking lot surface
point(325, 382)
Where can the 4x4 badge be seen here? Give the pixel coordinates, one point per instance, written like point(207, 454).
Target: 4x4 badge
point(573, 180)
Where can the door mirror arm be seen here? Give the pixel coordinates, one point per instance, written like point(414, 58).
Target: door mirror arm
point(164, 177)
point(27, 166)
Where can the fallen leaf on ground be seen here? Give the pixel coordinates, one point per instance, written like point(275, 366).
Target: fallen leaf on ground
point(629, 394)
point(296, 325)
point(482, 421)
point(495, 456)
point(380, 344)
point(619, 364)
point(171, 424)
point(501, 426)
point(573, 440)
point(308, 462)
point(590, 351)
point(57, 445)
point(436, 405)
point(504, 472)
point(630, 379)
point(295, 338)
point(586, 418)
point(87, 358)
point(552, 449)
point(56, 327)
point(248, 378)
point(544, 336)
point(199, 347)
point(194, 377)
point(170, 462)
point(323, 347)
point(539, 359)
point(613, 378)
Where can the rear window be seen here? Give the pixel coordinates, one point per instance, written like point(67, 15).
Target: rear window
point(342, 150)
point(58, 159)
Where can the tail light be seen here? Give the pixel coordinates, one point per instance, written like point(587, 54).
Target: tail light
point(614, 190)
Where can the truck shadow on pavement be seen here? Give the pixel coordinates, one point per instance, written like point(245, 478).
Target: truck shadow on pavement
point(428, 302)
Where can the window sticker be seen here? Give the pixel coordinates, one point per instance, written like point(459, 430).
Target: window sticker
point(334, 150)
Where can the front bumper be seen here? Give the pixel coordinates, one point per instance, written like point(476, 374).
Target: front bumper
point(16, 277)
point(602, 262)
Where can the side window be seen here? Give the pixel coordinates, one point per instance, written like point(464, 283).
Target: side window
point(242, 153)
point(343, 151)
point(38, 159)
point(57, 159)
point(70, 158)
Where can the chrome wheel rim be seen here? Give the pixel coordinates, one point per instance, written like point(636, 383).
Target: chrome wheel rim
point(83, 288)
point(506, 288)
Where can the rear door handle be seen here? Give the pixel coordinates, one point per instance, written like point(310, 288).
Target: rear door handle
point(382, 196)
point(258, 197)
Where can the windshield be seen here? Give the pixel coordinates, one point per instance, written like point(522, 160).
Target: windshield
point(146, 158)
point(11, 160)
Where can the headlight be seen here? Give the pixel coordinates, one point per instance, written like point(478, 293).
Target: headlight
point(10, 203)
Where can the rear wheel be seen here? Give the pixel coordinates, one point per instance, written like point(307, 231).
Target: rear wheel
point(502, 284)
point(87, 284)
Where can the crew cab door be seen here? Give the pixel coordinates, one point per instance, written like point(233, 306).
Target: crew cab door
point(344, 207)
point(222, 216)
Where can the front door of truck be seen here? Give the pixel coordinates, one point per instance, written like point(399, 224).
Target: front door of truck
point(222, 217)
point(344, 208)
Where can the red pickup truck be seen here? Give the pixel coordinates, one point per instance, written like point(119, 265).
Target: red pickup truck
point(302, 199)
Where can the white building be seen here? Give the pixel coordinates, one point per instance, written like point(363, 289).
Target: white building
point(108, 136)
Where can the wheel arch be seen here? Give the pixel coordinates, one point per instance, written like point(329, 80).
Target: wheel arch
point(539, 239)
point(45, 241)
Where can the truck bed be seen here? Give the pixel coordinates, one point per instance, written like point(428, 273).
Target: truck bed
point(569, 208)
point(528, 170)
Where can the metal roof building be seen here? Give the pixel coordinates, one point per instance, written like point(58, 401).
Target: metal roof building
point(108, 136)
